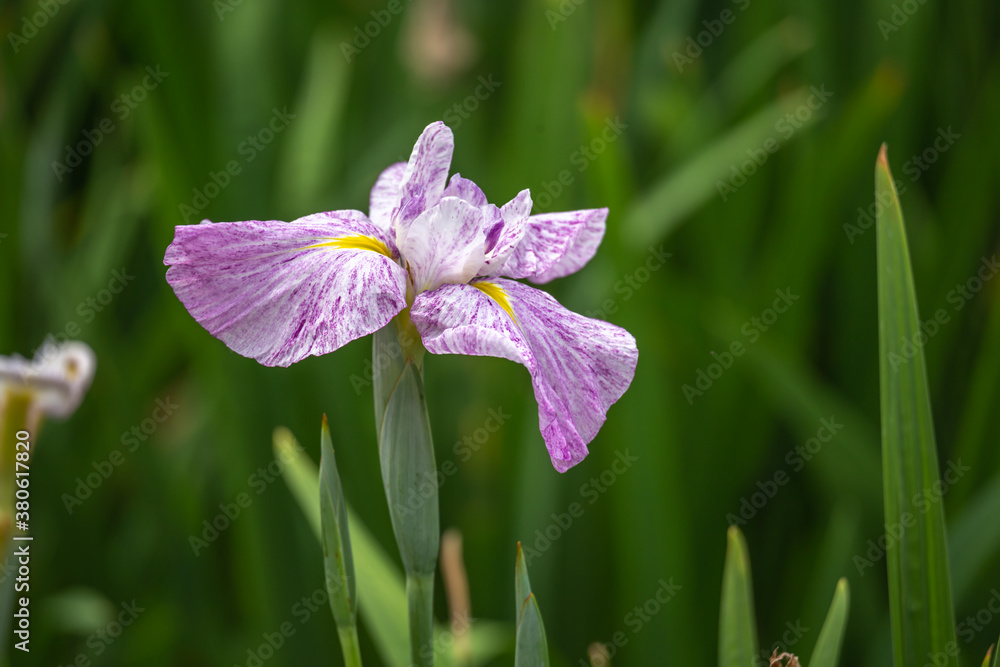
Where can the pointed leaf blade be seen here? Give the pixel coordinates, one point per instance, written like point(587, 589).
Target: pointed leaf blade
point(737, 624)
point(532, 649)
point(827, 650)
point(338, 559)
point(919, 582)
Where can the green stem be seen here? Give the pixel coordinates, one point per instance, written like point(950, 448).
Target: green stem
point(420, 599)
point(350, 646)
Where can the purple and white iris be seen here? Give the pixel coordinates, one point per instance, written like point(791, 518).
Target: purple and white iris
point(278, 292)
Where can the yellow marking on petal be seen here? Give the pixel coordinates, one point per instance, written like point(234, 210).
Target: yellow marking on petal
point(496, 293)
point(359, 242)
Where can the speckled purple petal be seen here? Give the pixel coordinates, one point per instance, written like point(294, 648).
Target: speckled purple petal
point(465, 189)
point(386, 196)
point(424, 177)
point(556, 245)
point(579, 366)
point(444, 244)
point(427, 171)
point(261, 290)
point(506, 232)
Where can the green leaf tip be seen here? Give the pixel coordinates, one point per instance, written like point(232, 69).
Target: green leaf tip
point(921, 613)
point(737, 622)
point(831, 636)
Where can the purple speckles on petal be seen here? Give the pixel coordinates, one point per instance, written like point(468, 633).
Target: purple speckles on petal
point(579, 366)
point(444, 245)
point(386, 197)
point(465, 189)
point(556, 245)
point(427, 171)
point(258, 287)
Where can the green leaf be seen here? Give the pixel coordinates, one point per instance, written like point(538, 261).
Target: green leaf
point(827, 650)
point(737, 631)
point(338, 562)
point(522, 586)
point(381, 592)
point(989, 655)
point(532, 649)
point(409, 473)
point(917, 557)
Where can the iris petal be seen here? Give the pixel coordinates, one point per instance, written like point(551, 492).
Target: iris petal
point(278, 292)
point(579, 366)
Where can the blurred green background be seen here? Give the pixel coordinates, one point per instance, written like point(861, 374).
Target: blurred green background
point(693, 121)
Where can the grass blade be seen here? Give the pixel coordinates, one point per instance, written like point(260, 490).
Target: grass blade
point(919, 584)
point(827, 650)
point(737, 631)
point(532, 648)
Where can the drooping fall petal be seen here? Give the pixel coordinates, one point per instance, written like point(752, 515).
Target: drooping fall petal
point(278, 292)
point(579, 366)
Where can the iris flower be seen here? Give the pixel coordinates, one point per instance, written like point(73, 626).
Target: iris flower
point(278, 292)
point(52, 384)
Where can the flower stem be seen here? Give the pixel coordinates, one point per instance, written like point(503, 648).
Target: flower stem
point(350, 646)
point(420, 599)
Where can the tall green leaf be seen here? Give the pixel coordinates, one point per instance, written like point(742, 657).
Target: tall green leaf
point(737, 631)
point(827, 650)
point(916, 553)
point(381, 591)
point(338, 559)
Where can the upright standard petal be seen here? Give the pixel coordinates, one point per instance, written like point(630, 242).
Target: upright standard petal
point(386, 196)
point(579, 366)
point(556, 245)
point(465, 189)
point(278, 292)
point(445, 244)
point(427, 171)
